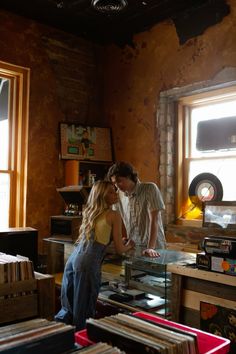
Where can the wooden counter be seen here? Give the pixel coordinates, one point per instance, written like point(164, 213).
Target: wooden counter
point(190, 286)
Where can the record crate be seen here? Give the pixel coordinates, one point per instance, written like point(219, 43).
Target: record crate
point(30, 298)
point(207, 342)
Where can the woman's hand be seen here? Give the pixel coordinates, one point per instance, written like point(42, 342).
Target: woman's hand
point(150, 252)
point(124, 240)
point(130, 244)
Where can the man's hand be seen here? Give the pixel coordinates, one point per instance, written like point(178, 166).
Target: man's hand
point(150, 252)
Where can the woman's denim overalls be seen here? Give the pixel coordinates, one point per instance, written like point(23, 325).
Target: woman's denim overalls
point(81, 282)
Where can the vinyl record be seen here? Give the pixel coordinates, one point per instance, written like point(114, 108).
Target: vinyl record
point(206, 187)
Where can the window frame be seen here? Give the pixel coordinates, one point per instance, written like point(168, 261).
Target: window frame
point(19, 78)
point(184, 106)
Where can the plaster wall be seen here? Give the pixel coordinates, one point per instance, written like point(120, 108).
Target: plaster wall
point(134, 78)
point(64, 81)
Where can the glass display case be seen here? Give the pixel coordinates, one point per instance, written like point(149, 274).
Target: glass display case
point(146, 283)
point(150, 275)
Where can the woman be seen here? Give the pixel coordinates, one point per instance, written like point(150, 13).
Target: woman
point(82, 273)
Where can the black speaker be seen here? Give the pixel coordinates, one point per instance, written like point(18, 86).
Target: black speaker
point(216, 134)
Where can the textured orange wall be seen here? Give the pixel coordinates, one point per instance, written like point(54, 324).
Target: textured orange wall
point(134, 78)
point(22, 43)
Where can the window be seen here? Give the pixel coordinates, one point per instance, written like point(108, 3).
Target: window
point(14, 94)
point(206, 150)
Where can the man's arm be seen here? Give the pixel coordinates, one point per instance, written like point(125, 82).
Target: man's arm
point(153, 229)
point(150, 251)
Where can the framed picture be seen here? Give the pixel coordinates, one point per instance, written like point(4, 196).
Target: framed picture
point(219, 214)
point(79, 142)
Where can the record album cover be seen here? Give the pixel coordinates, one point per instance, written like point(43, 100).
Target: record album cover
point(220, 321)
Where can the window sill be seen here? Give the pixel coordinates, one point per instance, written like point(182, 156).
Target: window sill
point(193, 222)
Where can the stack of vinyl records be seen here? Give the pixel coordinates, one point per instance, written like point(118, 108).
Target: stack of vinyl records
point(101, 348)
point(15, 268)
point(36, 336)
point(135, 335)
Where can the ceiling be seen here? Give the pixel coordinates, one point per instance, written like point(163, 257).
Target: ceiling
point(79, 17)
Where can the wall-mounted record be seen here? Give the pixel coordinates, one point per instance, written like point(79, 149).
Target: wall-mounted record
point(206, 187)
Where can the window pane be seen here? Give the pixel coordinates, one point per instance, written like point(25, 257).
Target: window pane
point(4, 199)
point(4, 144)
point(219, 111)
point(223, 169)
point(4, 95)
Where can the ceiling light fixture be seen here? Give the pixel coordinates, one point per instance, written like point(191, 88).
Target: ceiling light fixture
point(109, 6)
point(60, 4)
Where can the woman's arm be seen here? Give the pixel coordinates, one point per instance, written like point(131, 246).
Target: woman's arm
point(124, 232)
point(117, 234)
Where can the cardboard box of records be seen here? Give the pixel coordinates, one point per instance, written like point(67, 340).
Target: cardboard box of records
point(23, 292)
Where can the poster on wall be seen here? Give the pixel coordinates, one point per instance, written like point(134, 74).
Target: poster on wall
point(79, 142)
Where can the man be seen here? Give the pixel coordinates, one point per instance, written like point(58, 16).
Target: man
point(140, 205)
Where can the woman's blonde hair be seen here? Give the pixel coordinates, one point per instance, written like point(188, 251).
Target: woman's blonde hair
point(94, 207)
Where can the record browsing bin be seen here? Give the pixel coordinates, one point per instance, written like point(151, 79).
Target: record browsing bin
point(207, 343)
point(29, 298)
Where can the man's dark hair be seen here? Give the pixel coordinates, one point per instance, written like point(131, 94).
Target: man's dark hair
point(122, 169)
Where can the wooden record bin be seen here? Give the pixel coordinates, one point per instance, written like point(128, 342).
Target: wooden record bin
point(30, 298)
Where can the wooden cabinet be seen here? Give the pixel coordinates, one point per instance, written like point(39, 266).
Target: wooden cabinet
point(79, 178)
point(190, 286)
point(58, 251)
point(65, 227)
point(85, 172)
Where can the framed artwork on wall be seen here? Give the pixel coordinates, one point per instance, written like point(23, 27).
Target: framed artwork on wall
point(79, 142)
